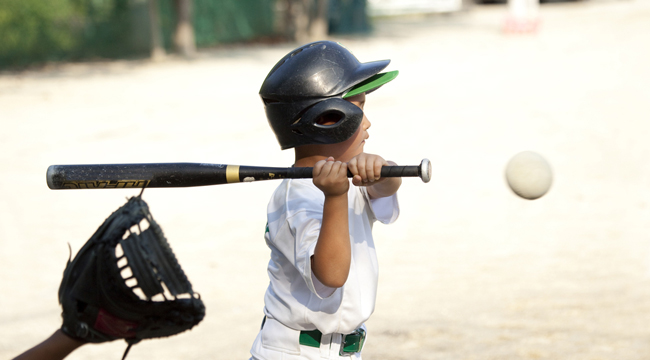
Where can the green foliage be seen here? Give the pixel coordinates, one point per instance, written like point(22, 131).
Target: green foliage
point(348, 17)
point(43, 30)
point(33, 31)
point(222, 21)
point(107, 28)
point(231, 20)
point(49, 30)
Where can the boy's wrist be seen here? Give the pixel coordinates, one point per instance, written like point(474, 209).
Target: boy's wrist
point(338, 200)
point(385, 188)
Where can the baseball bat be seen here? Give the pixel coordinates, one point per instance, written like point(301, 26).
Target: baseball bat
point(156, 175)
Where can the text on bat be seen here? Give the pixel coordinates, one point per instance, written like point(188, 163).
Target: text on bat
point(105, 184)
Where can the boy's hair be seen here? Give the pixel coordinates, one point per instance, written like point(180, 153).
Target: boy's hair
point(313, 81)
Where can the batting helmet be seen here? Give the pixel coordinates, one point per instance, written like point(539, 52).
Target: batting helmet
point(311, 81)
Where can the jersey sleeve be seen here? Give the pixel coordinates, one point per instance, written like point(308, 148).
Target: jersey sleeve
point(306, 228)
point(385, 209)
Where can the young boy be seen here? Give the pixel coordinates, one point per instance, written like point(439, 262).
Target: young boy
point(323, 267)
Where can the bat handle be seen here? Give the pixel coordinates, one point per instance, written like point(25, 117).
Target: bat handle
point(423, 171)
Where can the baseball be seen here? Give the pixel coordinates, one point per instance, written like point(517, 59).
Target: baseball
point(529, 175)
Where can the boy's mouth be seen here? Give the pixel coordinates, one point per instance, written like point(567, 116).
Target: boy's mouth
point(364, 139)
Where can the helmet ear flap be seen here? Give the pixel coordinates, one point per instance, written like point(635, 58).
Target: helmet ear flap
point(349, 118)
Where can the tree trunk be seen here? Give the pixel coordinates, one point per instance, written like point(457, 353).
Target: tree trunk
point(319, 25)
point(184, 35)
point(308, 20)
point(300, 16)
point(157, 48)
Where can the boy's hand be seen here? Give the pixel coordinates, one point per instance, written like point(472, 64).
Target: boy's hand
point(331, 177)
point(366, 169)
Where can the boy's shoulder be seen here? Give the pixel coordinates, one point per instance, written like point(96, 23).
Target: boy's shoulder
point(293, 195)
point(297, 194)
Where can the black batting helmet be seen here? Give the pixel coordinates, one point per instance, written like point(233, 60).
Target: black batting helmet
point(311, 81)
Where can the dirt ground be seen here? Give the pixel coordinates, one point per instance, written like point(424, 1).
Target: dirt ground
point(469, 271)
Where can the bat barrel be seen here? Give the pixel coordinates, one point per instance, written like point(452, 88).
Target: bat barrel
point(119, 176)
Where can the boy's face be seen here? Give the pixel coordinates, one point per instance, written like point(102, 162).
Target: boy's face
point(346, 150)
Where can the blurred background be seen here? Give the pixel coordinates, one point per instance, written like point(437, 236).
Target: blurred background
point(63, 30)
point(36, 31)
point(469, 270)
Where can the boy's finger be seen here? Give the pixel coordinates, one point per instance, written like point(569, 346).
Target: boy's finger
point(356, 180)
point(339, 169)
point(378, 166)
point(327, 168)
point(318, 168)
point(370, 170)
point(331, 166)
point(352, 166)
point(343, 170)
point(361, 170)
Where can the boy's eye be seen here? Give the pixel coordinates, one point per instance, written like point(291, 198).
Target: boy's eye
point(329, 119)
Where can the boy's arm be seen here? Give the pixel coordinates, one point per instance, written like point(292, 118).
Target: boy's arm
point(332, 255)
point(366, 169)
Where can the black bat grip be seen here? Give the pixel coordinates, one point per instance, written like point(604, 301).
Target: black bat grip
point(400, 171)
point(300, 173)
point(386, 171)
point(422, 171)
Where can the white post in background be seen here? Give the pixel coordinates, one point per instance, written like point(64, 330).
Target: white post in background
point(184, 34)
point(523, 16)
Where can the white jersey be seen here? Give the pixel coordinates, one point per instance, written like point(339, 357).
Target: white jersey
point(295, 298)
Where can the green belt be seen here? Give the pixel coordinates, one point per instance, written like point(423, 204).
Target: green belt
point(352, 343)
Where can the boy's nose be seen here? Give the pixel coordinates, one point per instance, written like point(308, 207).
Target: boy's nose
point(366, 123)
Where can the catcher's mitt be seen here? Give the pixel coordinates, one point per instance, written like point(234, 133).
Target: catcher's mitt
point(125, 283)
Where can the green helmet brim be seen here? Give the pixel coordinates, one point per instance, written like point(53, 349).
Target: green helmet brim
point(372, 83)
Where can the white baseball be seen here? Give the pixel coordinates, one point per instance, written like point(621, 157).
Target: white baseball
point(529, 175)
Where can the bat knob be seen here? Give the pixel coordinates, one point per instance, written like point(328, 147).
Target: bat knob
point(53, 177)
point(425, 170)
